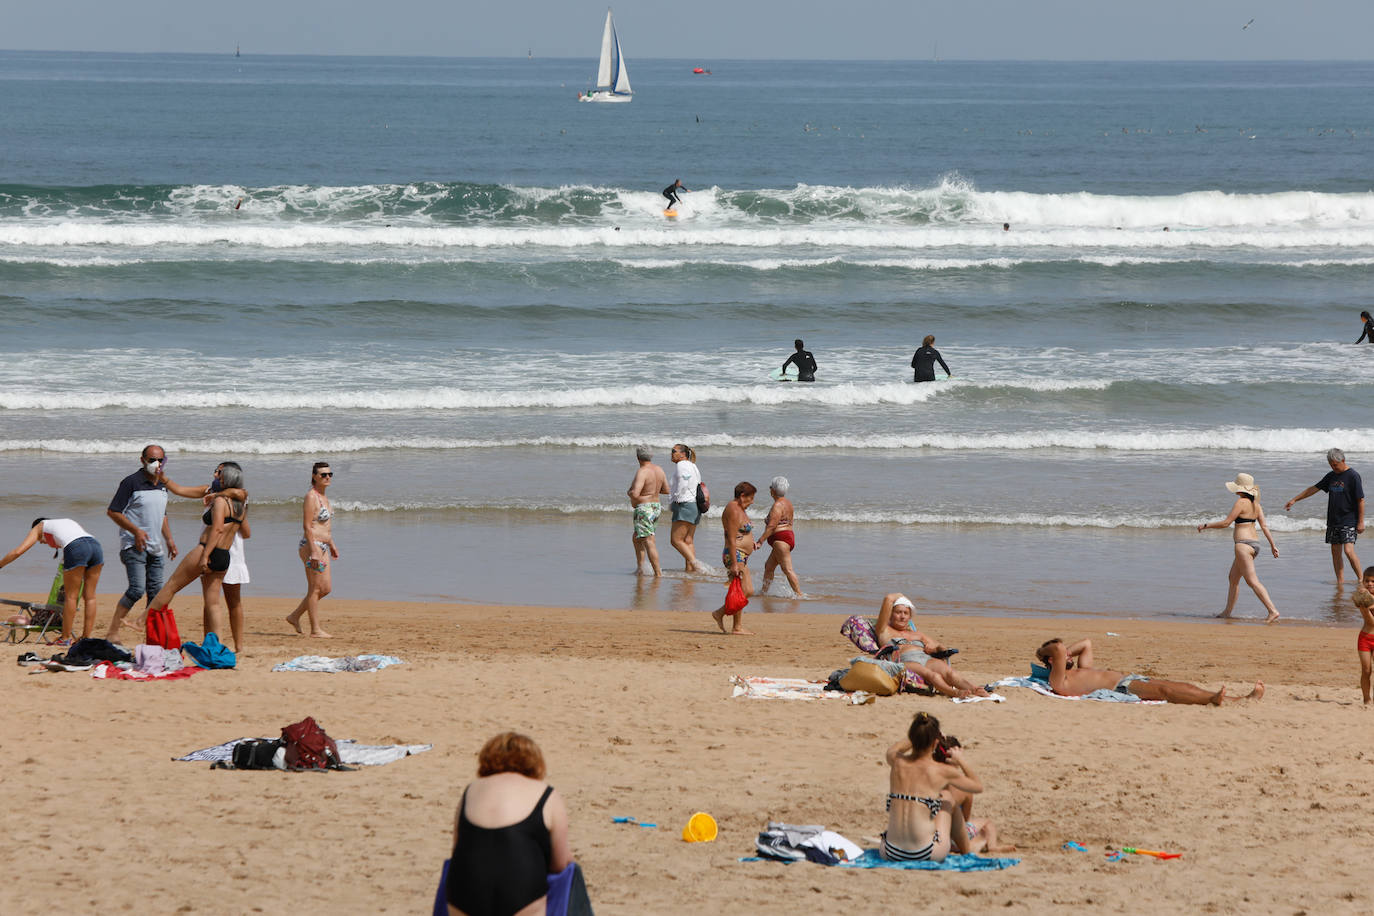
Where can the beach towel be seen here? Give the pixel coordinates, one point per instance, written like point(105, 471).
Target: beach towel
point(1043, 687)
point(328, 665)
point(211, 653)
point(350, 752)
point(791, 688)
point(872, 858)
point(111, 672)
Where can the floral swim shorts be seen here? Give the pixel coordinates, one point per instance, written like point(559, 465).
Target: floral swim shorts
point(1341, 534)
point(646, 519)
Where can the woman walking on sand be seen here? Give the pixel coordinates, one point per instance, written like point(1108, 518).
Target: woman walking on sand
point(316, 549)
point(779, 535)
point(1245, 514)
point(739, 545)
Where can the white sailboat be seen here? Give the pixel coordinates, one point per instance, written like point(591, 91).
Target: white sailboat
point(612, 79)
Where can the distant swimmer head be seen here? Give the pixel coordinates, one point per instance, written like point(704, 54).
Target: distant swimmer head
point(928, 341)
point(798, 344)
point(779, 486)
point(1243, 483)
point(1006, 227)
point(644, 453)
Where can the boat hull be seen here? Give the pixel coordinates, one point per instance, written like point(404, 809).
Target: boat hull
point(604, 96)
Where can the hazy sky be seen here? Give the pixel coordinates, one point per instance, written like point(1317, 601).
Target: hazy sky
point(713, 29)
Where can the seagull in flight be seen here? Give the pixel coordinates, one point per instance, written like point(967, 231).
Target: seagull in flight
point(1247, 25)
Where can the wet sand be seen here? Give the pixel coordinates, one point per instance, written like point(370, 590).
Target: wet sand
point(1269, 802)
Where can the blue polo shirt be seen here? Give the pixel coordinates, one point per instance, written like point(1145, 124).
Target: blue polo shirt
point(144, 503)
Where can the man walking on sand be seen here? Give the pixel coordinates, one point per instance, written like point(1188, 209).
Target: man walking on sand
point(648, 484)
point(1072, 675)
point(1344, 511)
point(139, 508)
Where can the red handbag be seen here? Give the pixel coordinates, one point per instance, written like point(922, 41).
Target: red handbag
point(162, 628)
point(734, 597)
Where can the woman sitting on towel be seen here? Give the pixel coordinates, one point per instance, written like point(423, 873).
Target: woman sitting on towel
point(510, 834)
point(917, 651)
point(225, 509)
point(922, 819)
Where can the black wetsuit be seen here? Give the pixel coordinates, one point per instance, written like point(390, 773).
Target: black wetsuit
point(670, 192)
point(1367, 333)
point(924, 362)
point(805, 363)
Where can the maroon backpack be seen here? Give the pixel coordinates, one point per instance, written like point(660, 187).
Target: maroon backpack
point(308, 747)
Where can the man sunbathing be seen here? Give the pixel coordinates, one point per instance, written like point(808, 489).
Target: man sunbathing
point(1072, 675)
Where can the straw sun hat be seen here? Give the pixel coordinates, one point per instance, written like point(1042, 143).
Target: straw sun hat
point(1243, 483)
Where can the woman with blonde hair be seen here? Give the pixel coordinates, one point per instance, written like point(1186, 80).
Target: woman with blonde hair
point(509, 835)
point(1245, 514)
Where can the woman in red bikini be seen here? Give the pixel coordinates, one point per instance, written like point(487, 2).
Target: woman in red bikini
point(781, 537)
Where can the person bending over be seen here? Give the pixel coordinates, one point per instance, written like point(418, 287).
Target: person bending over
point(1072, 675)
point(671, 191)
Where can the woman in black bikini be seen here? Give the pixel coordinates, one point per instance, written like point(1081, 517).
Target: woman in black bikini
point(739, 544)
point(1245, 514)
point(922, 819)
point(510, 834)
point(226, 503)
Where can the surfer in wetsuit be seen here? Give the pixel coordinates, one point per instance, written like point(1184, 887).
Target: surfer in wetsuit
point(804, 361)
point(1368, 332)
point(925, 359)
point(670, 192)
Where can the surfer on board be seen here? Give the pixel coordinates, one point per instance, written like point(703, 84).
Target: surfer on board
point(804, 361)
point(670, 192)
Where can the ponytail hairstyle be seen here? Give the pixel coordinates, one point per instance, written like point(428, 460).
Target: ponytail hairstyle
point(923, 733)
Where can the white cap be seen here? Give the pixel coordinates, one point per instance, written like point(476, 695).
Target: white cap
point(903, 601)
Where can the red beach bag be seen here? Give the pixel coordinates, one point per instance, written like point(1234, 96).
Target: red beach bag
point(162, 628)
point(734, 597)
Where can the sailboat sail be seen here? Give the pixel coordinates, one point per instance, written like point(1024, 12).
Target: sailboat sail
point(612, 79)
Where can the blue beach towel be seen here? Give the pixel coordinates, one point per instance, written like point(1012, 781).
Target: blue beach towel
point(872, 858)
point(211, 653)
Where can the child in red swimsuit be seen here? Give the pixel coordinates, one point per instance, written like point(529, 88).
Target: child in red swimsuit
point(1364, 643)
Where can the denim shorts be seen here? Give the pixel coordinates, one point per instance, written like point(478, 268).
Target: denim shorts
point(686, 512)
point(82, 552)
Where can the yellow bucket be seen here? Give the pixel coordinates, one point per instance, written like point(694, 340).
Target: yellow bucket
point(701, 828)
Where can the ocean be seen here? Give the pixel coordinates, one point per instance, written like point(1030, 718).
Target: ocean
point(454, 282)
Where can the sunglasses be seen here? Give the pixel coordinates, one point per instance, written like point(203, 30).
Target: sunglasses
point(325, 473)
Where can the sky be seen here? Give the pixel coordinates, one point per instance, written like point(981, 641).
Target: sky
point(707, 30)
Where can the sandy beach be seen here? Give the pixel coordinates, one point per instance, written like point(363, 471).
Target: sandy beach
point(1268, 802)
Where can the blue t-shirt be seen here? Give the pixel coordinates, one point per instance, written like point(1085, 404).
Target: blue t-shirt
point(144, 503)
point(1343, 494)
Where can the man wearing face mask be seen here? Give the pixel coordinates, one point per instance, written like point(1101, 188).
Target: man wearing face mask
point(139, 508)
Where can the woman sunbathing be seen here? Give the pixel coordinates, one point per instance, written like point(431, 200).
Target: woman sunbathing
point(922, 819)
point(917, 651)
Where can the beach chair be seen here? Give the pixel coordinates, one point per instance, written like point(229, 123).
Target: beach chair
point(34, 617)
point(43, 619)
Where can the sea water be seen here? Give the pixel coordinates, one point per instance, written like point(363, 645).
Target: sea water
point(455, 283)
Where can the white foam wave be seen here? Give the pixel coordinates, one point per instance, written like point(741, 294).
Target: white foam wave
point(1232, 439)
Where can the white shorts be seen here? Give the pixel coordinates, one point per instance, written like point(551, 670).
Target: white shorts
point(237, 574)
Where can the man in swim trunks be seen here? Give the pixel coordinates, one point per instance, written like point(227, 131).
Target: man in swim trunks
point(804, 361)
point(670, 192)
point(1344, 511)
point(648, 483)
point(1072, 675)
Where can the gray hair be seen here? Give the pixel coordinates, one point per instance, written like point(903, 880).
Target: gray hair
point(779, 485)
point(1335, 456)
point(644, 453)
point(231, 478)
